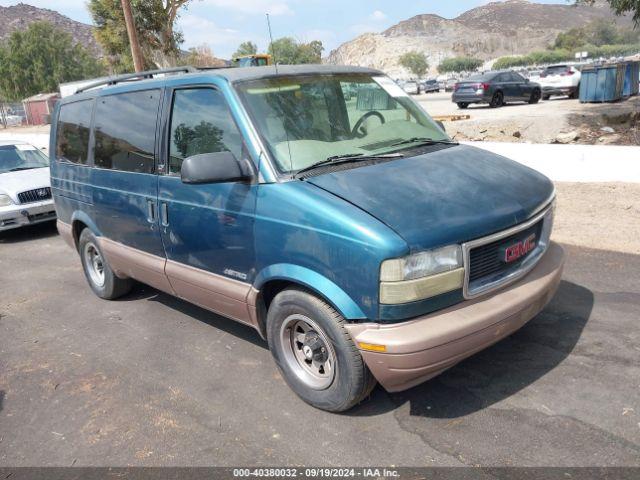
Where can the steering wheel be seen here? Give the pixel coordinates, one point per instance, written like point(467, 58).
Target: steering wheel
point(358, 131)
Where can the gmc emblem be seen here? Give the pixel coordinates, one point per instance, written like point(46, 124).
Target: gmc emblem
point(520, 249)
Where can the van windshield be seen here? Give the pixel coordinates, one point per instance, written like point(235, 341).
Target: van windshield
point(307, 119)
point(21, 157)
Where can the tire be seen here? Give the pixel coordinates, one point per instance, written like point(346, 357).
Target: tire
point(576, 93)
point(546, 97)
point(462, 105)
point(100, 277)
point(497, 100)
point(299, 326)
point(535, 97)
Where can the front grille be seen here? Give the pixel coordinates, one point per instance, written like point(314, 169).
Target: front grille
point(37, 195)
point(488, 260)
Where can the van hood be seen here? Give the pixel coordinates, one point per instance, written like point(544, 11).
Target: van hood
point(443, 197)
point(12, 183)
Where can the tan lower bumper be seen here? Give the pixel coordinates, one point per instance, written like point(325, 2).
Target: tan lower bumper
point(422, 348)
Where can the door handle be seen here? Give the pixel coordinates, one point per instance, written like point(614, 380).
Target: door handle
point(151, 211)
point(164, 214)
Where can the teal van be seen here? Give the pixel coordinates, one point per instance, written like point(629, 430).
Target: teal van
point(319, 205)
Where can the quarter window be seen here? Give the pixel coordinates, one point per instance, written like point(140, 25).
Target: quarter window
point(125, 131)
point(72, 139)
point(201, 123)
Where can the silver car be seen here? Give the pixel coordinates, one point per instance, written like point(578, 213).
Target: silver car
point(25, 191)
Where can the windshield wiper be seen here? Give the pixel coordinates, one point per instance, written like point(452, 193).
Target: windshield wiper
point(17, 169)
point(346, 158)
point(423, 141)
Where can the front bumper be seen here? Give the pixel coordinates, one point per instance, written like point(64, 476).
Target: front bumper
point(15, 216)
point(422, 348)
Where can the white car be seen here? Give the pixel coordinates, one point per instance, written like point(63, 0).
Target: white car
point(560, 80)
point(411, 87)
point(25, 188)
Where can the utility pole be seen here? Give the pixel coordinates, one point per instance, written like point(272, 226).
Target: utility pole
point(136, 53)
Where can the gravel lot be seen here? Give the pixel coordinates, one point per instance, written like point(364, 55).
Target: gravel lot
point(151, 380)
point(540, 123)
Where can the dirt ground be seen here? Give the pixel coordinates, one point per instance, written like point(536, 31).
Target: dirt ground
point(599, 215)
point(543, 122)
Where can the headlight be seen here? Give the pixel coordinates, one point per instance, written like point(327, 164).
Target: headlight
point(5, 200)
point(421, 264)
point(421, 275)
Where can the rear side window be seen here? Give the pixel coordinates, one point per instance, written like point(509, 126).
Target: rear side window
point(201, 123)
point(72, 133)
point(125, 131)
point(556, 70)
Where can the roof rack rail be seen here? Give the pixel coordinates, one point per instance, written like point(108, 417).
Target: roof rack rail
point(135, 76)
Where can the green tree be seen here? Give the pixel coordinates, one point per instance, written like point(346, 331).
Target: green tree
point(310, 52)
point(155, 25)
point(510, 62)
point(599, 32)
point(201, 56)
point(459, 64)
point(287, 51)
point(41, 57)
point(245, 48)
point(621, 7)
point(416, 62)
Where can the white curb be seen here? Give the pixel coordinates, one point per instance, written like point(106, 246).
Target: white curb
point(573, 163)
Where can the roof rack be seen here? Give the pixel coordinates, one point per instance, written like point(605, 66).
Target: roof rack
point(135, 76)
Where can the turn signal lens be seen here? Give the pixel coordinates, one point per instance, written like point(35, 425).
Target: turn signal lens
point(394, 293)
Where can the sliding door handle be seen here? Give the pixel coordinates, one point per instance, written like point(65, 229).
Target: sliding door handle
point(151, 211)
point(164, 214)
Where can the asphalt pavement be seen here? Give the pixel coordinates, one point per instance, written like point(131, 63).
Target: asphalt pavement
point(152, 380)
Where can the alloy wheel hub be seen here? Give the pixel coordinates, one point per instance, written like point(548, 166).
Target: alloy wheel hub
point(314, 348)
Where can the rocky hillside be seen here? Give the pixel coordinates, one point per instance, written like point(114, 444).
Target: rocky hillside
point(487, 32)
point(20, 16)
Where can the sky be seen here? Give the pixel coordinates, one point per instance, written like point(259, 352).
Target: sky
point(224, 24)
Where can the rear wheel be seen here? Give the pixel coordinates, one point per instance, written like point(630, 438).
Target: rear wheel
point(463, 105)
point(315, 353)
point(497, 100)
point(535, 97)
point(101, 278)
point(546, 97)
point(575, 93)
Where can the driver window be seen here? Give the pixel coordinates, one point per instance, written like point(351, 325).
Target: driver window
point(201, 123)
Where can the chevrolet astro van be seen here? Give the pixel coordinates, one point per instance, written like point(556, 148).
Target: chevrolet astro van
point(319, 205)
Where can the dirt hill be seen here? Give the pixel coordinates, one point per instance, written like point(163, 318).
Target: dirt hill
point(487, 32)
point(20, 16)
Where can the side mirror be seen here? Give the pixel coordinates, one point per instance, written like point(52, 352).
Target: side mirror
point(441, 125)
point(218, 167)
point(526, 80)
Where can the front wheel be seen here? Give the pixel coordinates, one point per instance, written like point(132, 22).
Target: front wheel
point(101, 278)
point(462, 105)
point(315, 353)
